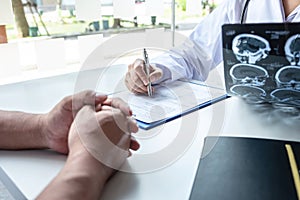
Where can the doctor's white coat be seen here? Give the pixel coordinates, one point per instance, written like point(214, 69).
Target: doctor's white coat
point(202, 52)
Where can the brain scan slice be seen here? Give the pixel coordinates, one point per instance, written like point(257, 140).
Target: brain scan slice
point(286, 95)
point(288, 77)
point(250, 93)
point(248, 74)
point(249, 48)
point(292, 49)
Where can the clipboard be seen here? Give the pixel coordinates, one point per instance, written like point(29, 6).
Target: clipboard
point(147, 126)
point(170, 101)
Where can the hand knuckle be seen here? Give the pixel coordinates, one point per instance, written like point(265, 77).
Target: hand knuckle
point(66, 99)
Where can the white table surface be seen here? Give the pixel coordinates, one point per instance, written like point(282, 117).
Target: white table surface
point(32, 170)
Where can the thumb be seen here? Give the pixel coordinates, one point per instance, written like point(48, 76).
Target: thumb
point(156, 74)
point(100, 98)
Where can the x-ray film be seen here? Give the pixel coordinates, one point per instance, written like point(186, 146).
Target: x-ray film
point(262, 62)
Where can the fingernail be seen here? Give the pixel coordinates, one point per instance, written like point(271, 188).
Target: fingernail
point(100, 94)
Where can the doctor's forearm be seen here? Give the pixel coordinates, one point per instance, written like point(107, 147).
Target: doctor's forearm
point(19, 130)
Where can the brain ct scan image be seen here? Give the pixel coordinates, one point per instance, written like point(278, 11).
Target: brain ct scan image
point(253, 93)
point(249, 48)
point(292, 49)
point(290, 96)
point(248, 74)
point(262, 63)
point(288, 76)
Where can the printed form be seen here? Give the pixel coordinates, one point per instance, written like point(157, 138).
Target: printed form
point(169, 100)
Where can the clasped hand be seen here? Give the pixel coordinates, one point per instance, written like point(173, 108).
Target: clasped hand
point(84, 115)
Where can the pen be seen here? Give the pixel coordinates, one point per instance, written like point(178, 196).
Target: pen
point(147, 70)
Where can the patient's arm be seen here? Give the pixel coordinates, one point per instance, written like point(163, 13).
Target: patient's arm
point(19, 130)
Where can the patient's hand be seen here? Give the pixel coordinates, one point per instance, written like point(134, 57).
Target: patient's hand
point(104, 135)
point(56, 124)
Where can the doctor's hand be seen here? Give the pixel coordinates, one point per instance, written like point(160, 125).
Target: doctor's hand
point(136, 79)
point(56, 124)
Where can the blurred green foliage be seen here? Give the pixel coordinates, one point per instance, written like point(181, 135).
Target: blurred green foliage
point(182, 4)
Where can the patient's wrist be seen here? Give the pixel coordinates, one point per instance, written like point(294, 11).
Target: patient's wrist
point(82, 161)
point(44, 132)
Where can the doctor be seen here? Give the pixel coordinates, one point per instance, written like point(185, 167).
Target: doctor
point(202, 52)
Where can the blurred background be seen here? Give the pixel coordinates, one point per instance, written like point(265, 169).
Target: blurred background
point(44, 37)
point(58, 17)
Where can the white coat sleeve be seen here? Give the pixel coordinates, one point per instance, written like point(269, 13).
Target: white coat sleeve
point(202, 51)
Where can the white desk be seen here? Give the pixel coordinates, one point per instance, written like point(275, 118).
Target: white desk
point(33, 170)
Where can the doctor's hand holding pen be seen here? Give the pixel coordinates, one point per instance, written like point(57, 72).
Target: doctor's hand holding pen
point(136, 79)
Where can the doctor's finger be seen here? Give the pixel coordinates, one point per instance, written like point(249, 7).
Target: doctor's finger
point(134, 83)
point(134, 88)
point(130, 66)
point(136, 63)
point(155, 75)
point(139, 70)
